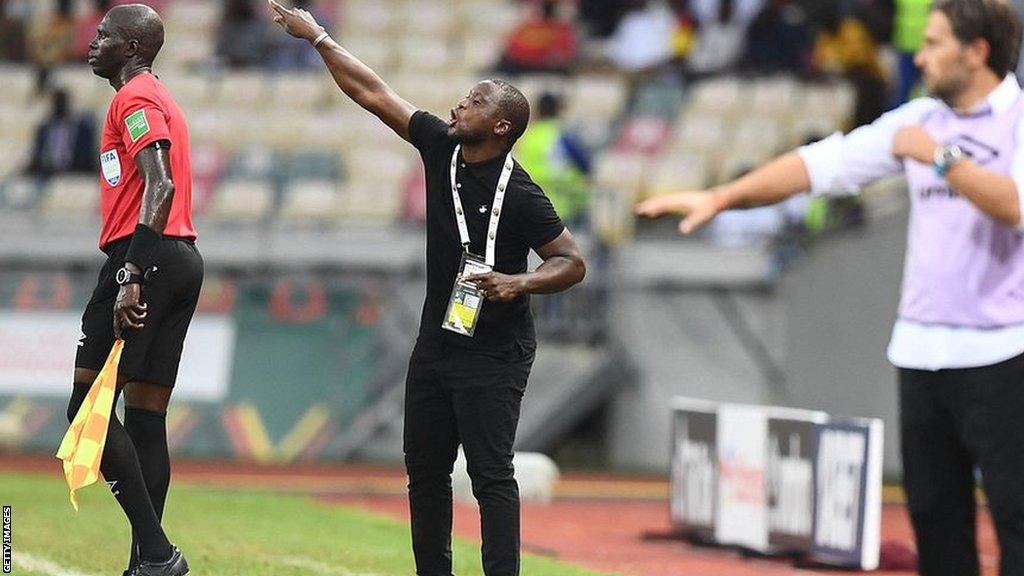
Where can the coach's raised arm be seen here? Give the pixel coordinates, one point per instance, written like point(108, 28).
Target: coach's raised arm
point(355, 79)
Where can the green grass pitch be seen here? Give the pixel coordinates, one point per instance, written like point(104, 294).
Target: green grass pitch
point(222, 532)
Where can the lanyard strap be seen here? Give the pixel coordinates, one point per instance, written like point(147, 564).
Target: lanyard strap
point(499, 199)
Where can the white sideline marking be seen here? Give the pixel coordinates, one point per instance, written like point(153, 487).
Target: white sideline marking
point(321, 568)
point(40, 564)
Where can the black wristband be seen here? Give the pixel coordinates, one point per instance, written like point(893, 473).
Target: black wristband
point(143, 246)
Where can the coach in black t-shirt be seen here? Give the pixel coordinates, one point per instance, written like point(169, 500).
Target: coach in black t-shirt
point(471, 362)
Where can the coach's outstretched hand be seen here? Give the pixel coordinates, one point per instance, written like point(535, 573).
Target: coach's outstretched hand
point(296, 21)
point(697, 207)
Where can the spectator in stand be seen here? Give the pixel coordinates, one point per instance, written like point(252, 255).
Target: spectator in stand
point(64, 142)
point(844, 47)
point(601, 17)
point(556, 160)
point(908, 30)
point(721, 32)
point(643, 40)
point(543, 42)
point(53, 39)
point(875, 15)
point(779, 39)
point(12, 35)
point(244, 39)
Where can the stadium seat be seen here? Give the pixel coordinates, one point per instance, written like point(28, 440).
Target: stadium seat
point(192, 49)
point(759, 137)
point(19, 122)
point(367, 47)
point(208, 165)
point(311, 165)
point(430, 18)
point(477, 52)
point(300, 91)
point(533, 85)
point(252, 162)
point(19, 84)
point(193, 14)
point(311, 201)
point(424, 53)
point(366, 17)
point(368, 203)
point(642, 135)
point(71, 198)
point(775, 94)
point(696, 132)
point(85, 88)
point(18, 193)
point(596, 96)
point(675, 172)
point(214, 125)
point(242, 89)
point(191, 91)
point(494, 19)
point(622, 172)
point(14, 157)
point(242, 200)
point(722, 95)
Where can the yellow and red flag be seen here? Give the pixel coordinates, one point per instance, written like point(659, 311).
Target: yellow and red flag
point(82, 446)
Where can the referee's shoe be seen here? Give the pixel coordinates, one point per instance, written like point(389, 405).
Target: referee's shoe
point(176, 566)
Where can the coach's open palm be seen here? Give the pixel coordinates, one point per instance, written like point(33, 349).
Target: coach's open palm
point(697, 207)
point(296, 21)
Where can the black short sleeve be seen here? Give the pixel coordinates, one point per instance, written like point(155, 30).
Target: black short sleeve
point(538, 222)
point(428, 133)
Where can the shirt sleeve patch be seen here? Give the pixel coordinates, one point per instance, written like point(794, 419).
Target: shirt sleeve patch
point(137, 125)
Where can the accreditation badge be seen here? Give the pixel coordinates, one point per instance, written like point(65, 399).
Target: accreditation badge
point(466, 300)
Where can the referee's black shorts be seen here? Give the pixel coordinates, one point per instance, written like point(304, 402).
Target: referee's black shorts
point(152, 353)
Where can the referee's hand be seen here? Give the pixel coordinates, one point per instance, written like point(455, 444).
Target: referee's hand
point(129, 312)
point(697, 207)
point(296, 21)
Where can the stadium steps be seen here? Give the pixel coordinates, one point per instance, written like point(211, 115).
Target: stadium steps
point(568, 382)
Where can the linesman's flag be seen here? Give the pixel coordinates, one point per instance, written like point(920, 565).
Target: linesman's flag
point(82, 446)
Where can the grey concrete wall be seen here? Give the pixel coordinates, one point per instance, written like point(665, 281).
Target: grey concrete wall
point(826, 325)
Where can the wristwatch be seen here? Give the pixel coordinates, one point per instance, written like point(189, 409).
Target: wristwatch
point(946, 157)
point(124, 276)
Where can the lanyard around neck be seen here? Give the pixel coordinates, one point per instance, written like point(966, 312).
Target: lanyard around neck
point(499, 199)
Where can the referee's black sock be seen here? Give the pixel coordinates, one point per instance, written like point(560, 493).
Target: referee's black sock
point(148, 431)
point(121, 471)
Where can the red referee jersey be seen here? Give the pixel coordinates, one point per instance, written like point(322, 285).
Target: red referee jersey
point(141, 113)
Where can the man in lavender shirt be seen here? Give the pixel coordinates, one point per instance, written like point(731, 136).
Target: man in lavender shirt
point(958, 343)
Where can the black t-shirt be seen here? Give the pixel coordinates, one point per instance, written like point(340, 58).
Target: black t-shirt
point(527, 221)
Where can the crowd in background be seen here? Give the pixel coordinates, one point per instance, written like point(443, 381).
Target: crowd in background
point(869, 43)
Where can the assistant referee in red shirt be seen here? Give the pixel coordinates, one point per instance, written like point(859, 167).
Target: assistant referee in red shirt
point(148, 289)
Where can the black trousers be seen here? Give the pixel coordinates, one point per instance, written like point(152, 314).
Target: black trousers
point(951, 422)
point(455, 396)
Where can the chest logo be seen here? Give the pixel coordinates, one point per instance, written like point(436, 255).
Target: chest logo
point(482, 209)
point(111, 166)
point(976, 150)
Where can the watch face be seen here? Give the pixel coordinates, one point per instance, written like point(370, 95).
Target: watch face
point(122, 276)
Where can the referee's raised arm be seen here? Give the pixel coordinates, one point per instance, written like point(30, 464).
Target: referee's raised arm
point(357, 80)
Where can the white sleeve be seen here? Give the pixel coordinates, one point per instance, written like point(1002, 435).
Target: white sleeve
point(1017, 170)
point(841, 165)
